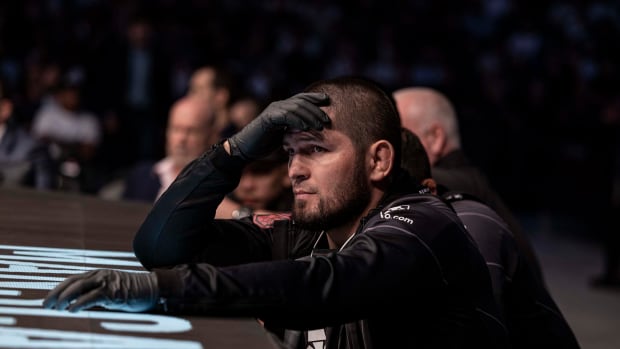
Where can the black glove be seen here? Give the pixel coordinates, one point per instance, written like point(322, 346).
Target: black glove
point(111, 289)
point(264, 134)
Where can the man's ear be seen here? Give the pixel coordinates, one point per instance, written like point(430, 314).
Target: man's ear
point(381, 160)
point(436, 139)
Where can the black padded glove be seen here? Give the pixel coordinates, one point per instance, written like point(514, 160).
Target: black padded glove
point(264, 134)
point(111, 289)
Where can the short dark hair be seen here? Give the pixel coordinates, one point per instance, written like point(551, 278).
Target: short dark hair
point(222, 78)
point(365, 112)
point(414, 158)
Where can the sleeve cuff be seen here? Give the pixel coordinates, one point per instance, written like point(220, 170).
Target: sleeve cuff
point(169, 282)
point(224, 162)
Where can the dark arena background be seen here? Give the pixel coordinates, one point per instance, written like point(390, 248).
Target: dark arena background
point(535, 84)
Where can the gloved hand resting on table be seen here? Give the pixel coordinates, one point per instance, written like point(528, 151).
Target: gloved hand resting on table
point(111, 289)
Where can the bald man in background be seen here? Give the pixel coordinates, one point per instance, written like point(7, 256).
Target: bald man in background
point(430, 115)
point(190, 132)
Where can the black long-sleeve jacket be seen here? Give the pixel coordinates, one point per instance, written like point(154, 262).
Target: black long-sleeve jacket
point(411, 277)
point(456, 172)
point(531, 315)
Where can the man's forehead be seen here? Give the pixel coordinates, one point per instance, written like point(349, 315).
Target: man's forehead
point(326, 137)
point(297, 136)
point(328, 132)
point(300, 136)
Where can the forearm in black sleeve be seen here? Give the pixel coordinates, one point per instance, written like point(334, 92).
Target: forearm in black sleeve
point(177, 229)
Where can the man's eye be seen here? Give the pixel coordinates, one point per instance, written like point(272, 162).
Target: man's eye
point(317, 149)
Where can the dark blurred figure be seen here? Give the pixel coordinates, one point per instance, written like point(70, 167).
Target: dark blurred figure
point(215, 85)
point(533, 318)
point(189, 133)
point(133, 75)
point(24, 161)
point(73, 133)
point(610, 158)
point(264, 188)
point(431, 116)
point(40, 80)
point(243, 110)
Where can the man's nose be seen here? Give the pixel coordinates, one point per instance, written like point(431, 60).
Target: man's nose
point(297, 169)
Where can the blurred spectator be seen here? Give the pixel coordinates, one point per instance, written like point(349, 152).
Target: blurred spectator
point(430, 115)
point(133, 75)
point(24, 161)
point(264, 187)
point(243, 110)
point(188, 135)
point(215, 85)
point(41, 78)
point(73, 133)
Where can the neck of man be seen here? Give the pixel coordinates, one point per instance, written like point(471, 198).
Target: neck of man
point(337, 237)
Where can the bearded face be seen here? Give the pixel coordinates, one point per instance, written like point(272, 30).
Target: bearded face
point(346, 201)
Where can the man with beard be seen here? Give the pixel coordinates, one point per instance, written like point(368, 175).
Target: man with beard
point(368, 259)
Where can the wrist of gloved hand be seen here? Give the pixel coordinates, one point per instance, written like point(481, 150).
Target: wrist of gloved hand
point(111, 289)
point(225, 162)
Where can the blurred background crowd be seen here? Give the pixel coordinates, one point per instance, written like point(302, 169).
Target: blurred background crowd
point(534, 83)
